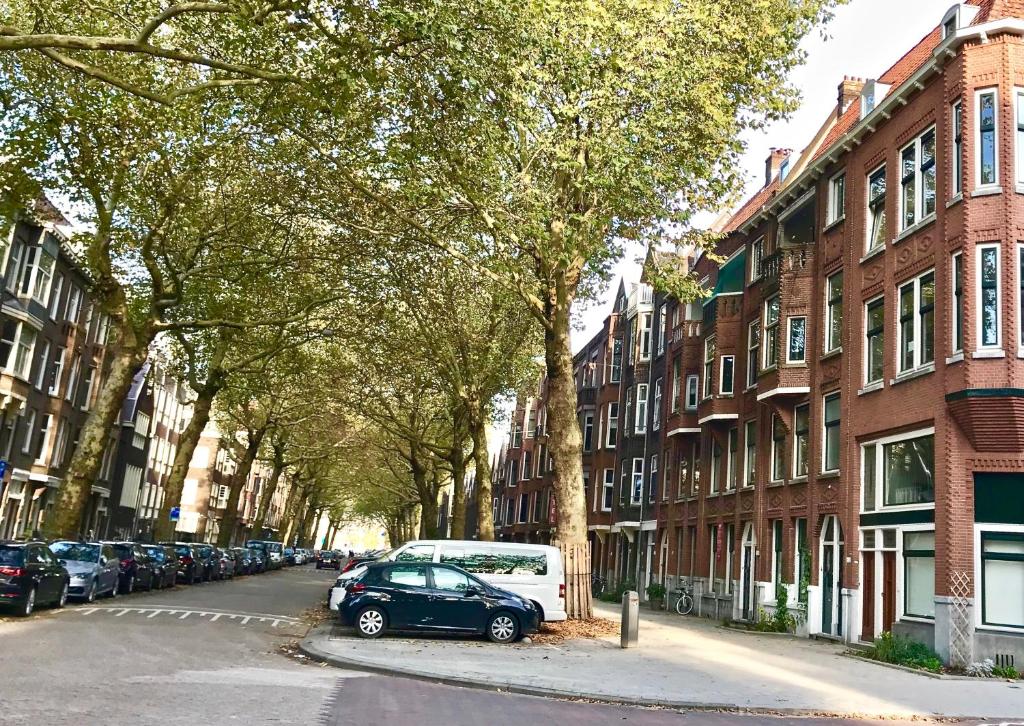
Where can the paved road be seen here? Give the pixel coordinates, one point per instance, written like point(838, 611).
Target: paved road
point(212, 654)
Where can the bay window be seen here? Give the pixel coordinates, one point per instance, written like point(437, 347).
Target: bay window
point(796, 348)
point(919, 574)
point(771, 332)
point(1002, 579)
point(898, 472)
point(917, 322)
point(917, 180)
point(753, 351)
point(989, 303)
point(16, 347)
point(725, 382)
point(709, 365)
point(692, 389)
point(986, 156)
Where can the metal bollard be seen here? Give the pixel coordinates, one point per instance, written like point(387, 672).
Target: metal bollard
point(630, 632)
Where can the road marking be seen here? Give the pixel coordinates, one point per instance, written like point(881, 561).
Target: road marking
point(215, 617)
point(245, 620)
point(123, 611)
point(154, 613)
point(185, 615)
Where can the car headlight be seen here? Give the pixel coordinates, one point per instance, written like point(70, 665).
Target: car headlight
point(81, 576)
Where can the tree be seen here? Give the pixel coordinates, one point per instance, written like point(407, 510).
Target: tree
point(592, 125)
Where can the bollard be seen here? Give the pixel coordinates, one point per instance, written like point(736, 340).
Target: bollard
point(630, 632)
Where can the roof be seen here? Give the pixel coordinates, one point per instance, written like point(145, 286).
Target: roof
point(752, 206)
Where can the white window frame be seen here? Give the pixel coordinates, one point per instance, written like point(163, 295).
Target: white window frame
point(979, 528)
point(710, 351)
point(956, 317)
point(645, 324)
point(765, 348)
point(789, 339)
point(608, 485)
point(869, 213)
point(611, 433)
point(636, 491)
point(753, 354)
point(692, 391)
point(722, 390)
point(918, 181)
point(677, 386)
point(1018, 136)
point(998, 345)
point(747, 426)
point(824, 432)
point(796, 440)
point(656, 413)
point(588, 423)
point(829, 311)
point(879, 445)
point(866, 358)
point(640, 423)
point(26, 445)
point(56, 288)
point(957, 151)
point(732, 459)
point(835, 200)
point(662, 318)
point(652, 491)
point(918, 328)
point(54, 389)
point(978, 185)
point(774, 449)
point(45, 428)
point(756, 255)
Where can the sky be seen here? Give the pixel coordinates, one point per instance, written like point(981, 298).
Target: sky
point(864, 38)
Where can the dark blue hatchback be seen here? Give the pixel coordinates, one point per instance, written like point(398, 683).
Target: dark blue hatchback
point(432, 597)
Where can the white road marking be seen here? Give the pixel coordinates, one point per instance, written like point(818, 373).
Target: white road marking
point(245, 620)
point(215, 617)
point(183, 613)
point(123, 611)
point(154, 613)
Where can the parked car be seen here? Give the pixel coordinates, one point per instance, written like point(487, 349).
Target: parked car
point(531, 571)
point(93, 568)
point(208, 566)
point(31, 575)
point(328, 558)
point(433, 597)
point(259, 559)
point(136, 568)
point(355, 560)
point(300, 556)
point(224, 564)
point(242, 559)
point(272, 552)
point(288, 555)
point(165, 565)
point(189, 566)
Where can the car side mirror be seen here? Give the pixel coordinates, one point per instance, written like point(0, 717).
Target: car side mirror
point(473, 591)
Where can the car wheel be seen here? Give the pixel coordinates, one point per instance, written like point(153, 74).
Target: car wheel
point(371, 622)
point(63, 599)
point(90, 596)
point(30, 603)
point(116, 589)
point(502, 627)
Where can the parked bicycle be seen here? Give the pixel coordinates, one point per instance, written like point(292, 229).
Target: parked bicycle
point(684, 600)
point(598, 585)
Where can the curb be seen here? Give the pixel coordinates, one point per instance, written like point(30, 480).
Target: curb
point(309, 648)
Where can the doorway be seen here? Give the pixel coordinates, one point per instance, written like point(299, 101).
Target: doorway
point(748, 585)
point(832, 555)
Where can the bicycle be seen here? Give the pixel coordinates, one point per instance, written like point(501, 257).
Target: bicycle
point(598, 585)
point(684, 600)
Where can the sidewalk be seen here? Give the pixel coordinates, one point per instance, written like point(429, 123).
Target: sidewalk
point(681, 662)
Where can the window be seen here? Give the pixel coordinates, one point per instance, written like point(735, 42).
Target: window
point(524, 508)
point(588, 430)
point(904, 469)
point(876, 208)
point(753, 351)
point(16, 347)
point(449, 580)
point(692, 387)
point(26, 445)
point(801, 439)
point(917, 322)
point(771, 332)
point(756, 255)
point(986, 156)
point(662, 329)
point(608, 491)
point(656, 414)
point(796, 340)
point(726, 375)
point(709, 365)
point(14, 261)
point(645, 322)
point(676, 386)
point(685, 472)
point(629, 410)
point(777, 554)
point(834, 312)
point(140, 432)
point(919, 574)
point(836, 198)
point(42, 443)
point(58, 288)
point(778, 448)
point(638, 481)
point(732, 464)
point(623, 482)
point(44, 360)
point(641, 408)
point(989, 304)
point(957, 182)
point(917, 180)
point(958, 301)
point(90, 383)
point(74, 306)
point(613, 425)
point(653, 492)
point(831, 433)
point(527, 469)
point(750, 455)
point(801, 560)
point(716, 466)
point(616, 372)
point(44, 274)
point(407, 575)
point(1019, 141)
point(696, 467)
point(712, 556)
point(875, 348)
point(1002, 579)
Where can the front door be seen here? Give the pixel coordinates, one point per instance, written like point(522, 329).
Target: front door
point(451, 606)
point(408, 595)
point(831, 576)
point(888, 590)
point(867, 626)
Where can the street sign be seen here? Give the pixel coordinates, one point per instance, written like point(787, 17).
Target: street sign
point(3, 468)
point(175, 513)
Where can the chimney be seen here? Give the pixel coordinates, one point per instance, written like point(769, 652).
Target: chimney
point(849, 91)
point(773, 163)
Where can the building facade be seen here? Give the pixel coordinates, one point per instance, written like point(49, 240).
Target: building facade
point(839, 430)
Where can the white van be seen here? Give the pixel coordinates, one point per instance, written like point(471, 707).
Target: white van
point(531, 571)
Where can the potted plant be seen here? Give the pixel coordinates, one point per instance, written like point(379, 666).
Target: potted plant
point(656, 595)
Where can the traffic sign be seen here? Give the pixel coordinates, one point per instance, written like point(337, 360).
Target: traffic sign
point(175, 514)
point(3, 468)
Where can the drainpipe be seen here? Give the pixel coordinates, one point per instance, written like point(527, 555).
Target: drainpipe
point(647, 432)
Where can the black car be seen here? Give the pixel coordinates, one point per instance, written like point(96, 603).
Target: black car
point(224, 564)
point(31, 575)
point(289, 556)
point(189, 567)
point(259, 559)
point(243, 560)
point(136, 567)
point(165, 565)
point(209, 566)
point(433, 597)
point(329, 559)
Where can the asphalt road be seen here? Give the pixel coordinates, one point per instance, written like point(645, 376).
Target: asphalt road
point(216, 654)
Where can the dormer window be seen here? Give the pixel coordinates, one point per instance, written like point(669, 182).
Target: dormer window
point(958, 16)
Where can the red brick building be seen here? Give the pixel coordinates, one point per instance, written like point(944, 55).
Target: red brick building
point(843, 416)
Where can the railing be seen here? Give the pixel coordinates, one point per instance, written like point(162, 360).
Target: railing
point(770, 267)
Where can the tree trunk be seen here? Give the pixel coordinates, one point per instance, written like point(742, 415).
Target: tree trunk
point(565, 447)
point(311, 528)
point(427, 495)
point(457, 460)
point(269, 490)
point(481, 458)
point(65, 519)
point(230, 519)
point(164, 528)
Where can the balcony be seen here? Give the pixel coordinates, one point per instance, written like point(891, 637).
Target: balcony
point(587, 396)
point(770, 267)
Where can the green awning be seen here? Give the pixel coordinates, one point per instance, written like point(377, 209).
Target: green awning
point(731, 275)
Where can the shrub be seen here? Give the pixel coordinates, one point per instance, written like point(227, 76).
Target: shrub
point(1006, 672)
point(901, 650)
point(655, 592)
point(615, 595)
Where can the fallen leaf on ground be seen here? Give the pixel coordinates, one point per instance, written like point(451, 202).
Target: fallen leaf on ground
point(575, 630)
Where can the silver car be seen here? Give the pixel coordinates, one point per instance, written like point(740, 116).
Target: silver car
point(93, 568)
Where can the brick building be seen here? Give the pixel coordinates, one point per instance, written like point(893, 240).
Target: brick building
point(839, 428)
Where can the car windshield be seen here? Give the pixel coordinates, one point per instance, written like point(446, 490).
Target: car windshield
point(183, 550)
point(123, 551)
point(155, 552)
point(11, 555)
point(77, 551)
point(273, 546)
